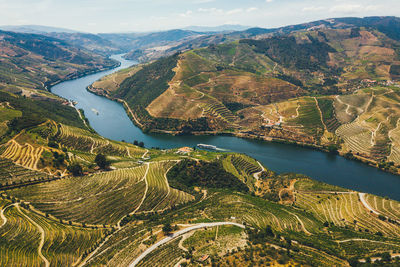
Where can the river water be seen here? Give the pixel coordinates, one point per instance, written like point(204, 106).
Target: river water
point(110, 120)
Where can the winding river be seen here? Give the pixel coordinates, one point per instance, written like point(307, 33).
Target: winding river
point(109, 119)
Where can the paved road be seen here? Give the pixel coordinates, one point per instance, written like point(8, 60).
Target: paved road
point(179, 233)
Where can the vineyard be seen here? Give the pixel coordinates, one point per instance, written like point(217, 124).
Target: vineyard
point(260, 213)
point(19, 240)
point(357, 138)
point(10, 173)
point(82, 140)
point(159, 194)
point(106, 197)
point(328, 114)
point(345, 210)
point(386, 207)
point(243, 167)
point(219, 110)
point(167, 255)
point(60, 244)
point(122, 247)
point(24, 155)
point(309, 117)
point(97, 199)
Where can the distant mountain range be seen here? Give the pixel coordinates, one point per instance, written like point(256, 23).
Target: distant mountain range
point(38, 29)
point(221, 28)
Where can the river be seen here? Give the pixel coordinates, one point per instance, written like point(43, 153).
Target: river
point(110, 120)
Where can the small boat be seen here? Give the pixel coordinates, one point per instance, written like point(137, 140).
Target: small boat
point(205, 146)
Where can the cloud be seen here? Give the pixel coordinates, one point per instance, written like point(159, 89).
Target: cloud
point(186, 14)
point(251, 9)
point(269, 1)
point(354, 8)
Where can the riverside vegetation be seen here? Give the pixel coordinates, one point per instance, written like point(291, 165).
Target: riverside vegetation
point(70, 197)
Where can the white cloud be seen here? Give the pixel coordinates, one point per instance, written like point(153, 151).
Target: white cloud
point(251, 9)
point(346, 8)
point(186, 14)
point(269, 1)
point(354, 8)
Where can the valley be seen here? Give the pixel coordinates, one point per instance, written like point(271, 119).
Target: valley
point(104, 170)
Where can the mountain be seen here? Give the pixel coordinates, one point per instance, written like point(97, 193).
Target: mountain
point(37, 29)
point(35, 61)
point(29, 64)
point(284, 87)
point(221, 28)
point(387, 25)
point(133, 41)
point(72, 197)
point(88, 41)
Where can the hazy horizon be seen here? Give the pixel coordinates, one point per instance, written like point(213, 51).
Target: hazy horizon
point(102, 16)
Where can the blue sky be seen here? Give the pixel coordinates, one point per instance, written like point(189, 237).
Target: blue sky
point(151, 15)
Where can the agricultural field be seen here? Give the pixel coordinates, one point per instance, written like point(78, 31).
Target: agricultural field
point(112, 82)
point(346, 209)
point(82, 140)
point(34, 239)
point(107, 197)
point(244, 168)
point(10, 173)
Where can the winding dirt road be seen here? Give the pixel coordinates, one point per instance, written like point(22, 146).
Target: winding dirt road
point(177, 234)
point(46, 262)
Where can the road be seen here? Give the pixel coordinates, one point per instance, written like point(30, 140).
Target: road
point(179, 233)
point(366, 205)
point(41, 231)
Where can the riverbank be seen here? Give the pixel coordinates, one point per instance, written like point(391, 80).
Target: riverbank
point(246, 135)
point(77, 75)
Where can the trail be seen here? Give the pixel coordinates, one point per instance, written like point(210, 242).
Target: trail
point(79, 113)
point(366, 240)
point(4, 218)
point(366, 205)
point(320, 113)
point(257, 174)
point(179, 233)
point(373, 135)
point(46, 262)
point(145, 153)
point(391, 138)
point(130, 111)
point(145, 192)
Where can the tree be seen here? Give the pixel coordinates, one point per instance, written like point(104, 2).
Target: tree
point(102, 161)
point(75, 169)
point(141, 144)
point(167, 228)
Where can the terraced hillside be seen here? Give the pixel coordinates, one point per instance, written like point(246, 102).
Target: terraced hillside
point(31, 62)
point(30, 239)
point(216, 82)
point(108, 196)
point(82, 140)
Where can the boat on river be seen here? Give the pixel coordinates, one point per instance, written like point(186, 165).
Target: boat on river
point(205, 146)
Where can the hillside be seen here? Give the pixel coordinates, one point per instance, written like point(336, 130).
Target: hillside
point(274, 88)
point(30, 61)
point(29, 65)
point(388, 25)
point(226, 205)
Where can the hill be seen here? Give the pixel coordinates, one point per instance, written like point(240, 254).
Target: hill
point(274, 88)
point(35, 29)
point(387, 25)
point(234, 209)
point(29, 65)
